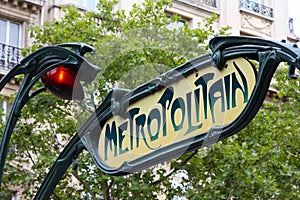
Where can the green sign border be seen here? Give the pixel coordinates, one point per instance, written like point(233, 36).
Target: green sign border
point(268, 53)
point(224, 48)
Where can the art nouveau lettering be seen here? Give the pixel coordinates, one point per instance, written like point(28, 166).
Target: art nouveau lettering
point(192, 106)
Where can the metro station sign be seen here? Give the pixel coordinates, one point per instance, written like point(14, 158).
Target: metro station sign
point(198, 101)
point(194, 105)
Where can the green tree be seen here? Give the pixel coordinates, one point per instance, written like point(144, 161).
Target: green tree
point(259, 162)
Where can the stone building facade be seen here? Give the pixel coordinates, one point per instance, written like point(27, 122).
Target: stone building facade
point(262, 18)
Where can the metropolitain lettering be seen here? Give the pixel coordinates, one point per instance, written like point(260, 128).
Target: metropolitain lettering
point(175, 112)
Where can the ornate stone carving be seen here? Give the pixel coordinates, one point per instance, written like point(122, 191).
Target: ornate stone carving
point(256, 23)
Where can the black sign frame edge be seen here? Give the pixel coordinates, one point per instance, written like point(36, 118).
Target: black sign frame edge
point(152, 158)
point(90, 130)
point(268, 58)
point(56, 172)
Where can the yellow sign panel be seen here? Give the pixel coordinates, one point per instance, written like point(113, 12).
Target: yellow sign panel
point(189, 107)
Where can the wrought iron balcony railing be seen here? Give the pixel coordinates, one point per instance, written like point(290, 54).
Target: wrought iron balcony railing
point(9, 56)
point(256, 8)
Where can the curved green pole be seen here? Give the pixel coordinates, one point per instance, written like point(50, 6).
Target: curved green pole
point(58, 169)
point(34, 67)
point(21, 99)
point(223, 48)
point(11, 122)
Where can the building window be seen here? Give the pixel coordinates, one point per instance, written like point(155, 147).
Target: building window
point(9, 33)
point(178, 24)
point(89, 5)
point(5, 107)
point(291, 25)
point(262, 2)
point(3, 27)
point(10, 39)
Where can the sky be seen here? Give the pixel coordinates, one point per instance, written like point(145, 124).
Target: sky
point(294, 12)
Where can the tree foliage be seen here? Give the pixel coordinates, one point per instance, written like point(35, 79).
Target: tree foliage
point(260, 162)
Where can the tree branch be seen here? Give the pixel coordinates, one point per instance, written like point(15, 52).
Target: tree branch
point(176, 168)
point(85, 185)
point(105, 190)
point(56, 197)
point(30, 157)
point(110, 185)
point(63, 111)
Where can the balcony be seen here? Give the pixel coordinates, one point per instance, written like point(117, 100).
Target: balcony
point(9, 56)
point(35, 2)
point(31, 6)
point(200, 3)
point(257, 8)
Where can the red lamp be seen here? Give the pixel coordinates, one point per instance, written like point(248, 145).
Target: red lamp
point(62, 82)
